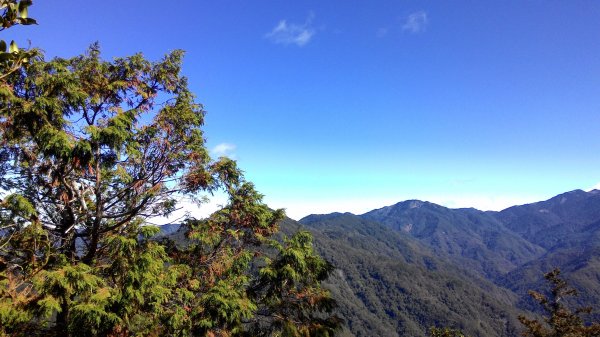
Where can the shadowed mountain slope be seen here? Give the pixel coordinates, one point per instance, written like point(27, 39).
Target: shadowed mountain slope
point(478, 238)
point(578, 257)
point(553, 221)
point(386, 280)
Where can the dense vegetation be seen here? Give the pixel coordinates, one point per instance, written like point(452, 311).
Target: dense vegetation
point(408, 267)
point(559, 320)
point(388, 284)
point(92, 150)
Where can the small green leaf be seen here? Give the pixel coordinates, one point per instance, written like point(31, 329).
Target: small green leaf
point(2, 46)
point(13, 47)
point(27, 21)
point(6, 56)
point(23, 9)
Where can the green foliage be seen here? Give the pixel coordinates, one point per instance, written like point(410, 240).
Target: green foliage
point(15, 13)
point(559, 321)
point(289, 287)
point(93, 149)
point(11, 57)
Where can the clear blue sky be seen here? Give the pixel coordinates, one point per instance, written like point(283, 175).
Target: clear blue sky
point(348, 106)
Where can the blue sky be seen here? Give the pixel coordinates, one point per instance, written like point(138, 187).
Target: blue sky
point(348, 106)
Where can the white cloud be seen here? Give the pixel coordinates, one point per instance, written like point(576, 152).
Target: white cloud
point(291, 33)
point(416, 22)
point(223, 150)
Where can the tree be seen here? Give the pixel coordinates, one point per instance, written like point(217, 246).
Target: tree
point(91, 151)
point(559, 320)
point(11, 57)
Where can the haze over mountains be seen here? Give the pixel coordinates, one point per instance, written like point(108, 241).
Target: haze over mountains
point(409, 266)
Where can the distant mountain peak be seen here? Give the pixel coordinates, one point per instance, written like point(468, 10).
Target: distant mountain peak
point(320, 217)
point(568, 197)
point(577, 192)
point(408, 204)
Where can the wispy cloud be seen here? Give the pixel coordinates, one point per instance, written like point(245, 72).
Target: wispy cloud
point(223, 150)
point(416, 22)
point(292, 33)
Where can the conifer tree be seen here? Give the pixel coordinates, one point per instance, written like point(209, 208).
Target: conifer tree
point(13, 13)
point(559, 320)
point(93, 149)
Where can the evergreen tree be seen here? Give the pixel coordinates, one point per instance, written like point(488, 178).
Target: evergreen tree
point(93, 149)
point(559, 320)
point(11, 57)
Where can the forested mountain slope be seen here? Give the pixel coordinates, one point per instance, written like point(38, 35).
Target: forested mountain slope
point(551, 222)
point(389, 284)
point(416, 264)
point(404, 268)
point(479, 237)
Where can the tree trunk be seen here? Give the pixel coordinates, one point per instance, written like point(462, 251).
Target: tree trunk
point(62, 320)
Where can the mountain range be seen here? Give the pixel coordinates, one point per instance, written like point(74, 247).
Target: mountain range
point(405, 268)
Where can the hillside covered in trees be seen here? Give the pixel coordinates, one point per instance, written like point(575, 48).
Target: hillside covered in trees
point(415, 264)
